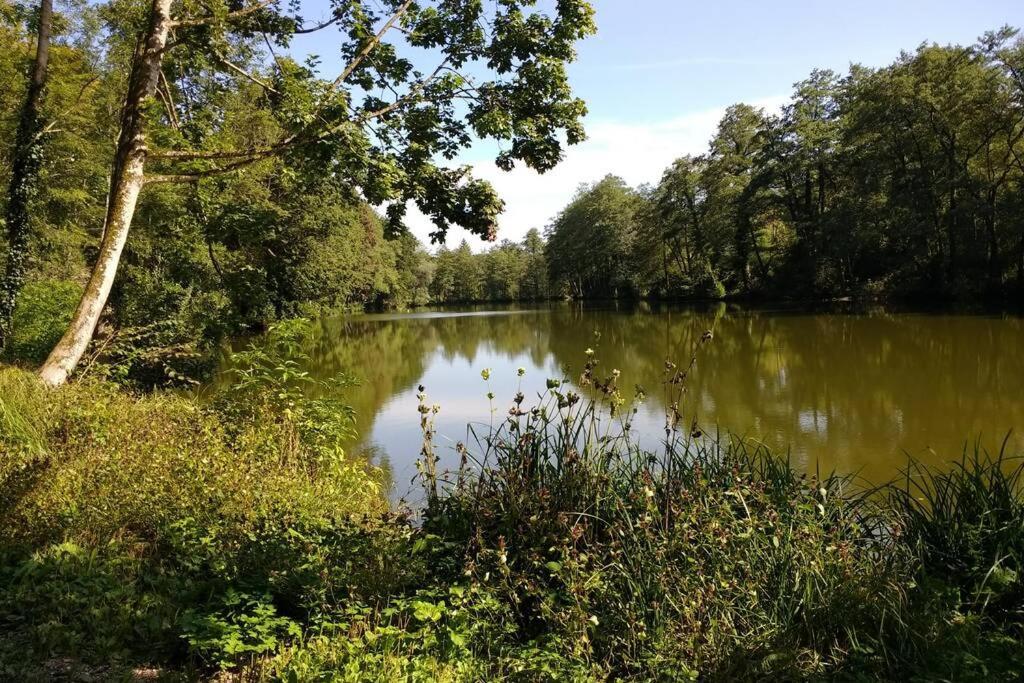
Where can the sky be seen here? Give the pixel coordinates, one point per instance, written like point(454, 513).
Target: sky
point(659, 74)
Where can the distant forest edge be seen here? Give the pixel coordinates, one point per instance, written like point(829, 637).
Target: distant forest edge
point(903, 181)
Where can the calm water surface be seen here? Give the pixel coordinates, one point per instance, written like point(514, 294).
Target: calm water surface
point(851, 392)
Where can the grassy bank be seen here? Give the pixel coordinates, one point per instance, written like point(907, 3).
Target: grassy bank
point(152, 534)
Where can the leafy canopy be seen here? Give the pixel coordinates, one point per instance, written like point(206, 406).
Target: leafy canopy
point(421, 81)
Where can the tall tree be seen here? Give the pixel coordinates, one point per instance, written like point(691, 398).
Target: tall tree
point(535, 276)
point(590, 243)
point(442, 284)
point(678, 227)
point(730, 167)
point(26, 163)
point(384, 147)
point(466, 285)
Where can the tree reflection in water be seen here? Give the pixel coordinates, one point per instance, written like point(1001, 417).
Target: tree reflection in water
point(854, 392)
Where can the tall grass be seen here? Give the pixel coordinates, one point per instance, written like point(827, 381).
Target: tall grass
point(708, 556)
point(22, 411)
point(967, 525)
point(713, 557)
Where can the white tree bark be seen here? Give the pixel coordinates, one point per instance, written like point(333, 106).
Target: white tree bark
point(126, 182)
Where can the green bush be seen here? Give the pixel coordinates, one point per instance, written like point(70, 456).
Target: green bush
point(146, 509)
point(43, 312)
point(103, 601)
point(239, 625)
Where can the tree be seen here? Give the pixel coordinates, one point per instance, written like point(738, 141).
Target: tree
point(384, 147)
point(503, 269)
point(27, 160)
point(730, 168)
point(535, 270)
point(466, 276)
point(415, 272)
point(799, 151)
point(590, 243)
point(442, 285)
point(677, 229)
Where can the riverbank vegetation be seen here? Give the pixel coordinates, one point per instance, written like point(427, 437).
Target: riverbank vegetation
point(154, 534)
point(190, 170)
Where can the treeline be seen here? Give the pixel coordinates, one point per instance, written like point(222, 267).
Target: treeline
point(510, 271)
point(906, 180)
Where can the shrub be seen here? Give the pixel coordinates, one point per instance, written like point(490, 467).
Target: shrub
point(43, 312)
point(171, 512)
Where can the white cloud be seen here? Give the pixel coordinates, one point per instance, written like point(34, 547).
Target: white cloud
point(637, 152)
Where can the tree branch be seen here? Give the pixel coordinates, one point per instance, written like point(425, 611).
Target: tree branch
point(412, 94)
point(270, 48)
point(190, 155)
point(313, 29)
point(198, 175)
point(354, 64)
point(245, 74)
point(164, 92)
point(206, 173)
point(249, 156)
point(230, 16)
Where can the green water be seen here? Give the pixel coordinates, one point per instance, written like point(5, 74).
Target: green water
point(855, 392)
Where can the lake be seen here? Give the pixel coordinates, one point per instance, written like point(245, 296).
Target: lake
point(855, 392)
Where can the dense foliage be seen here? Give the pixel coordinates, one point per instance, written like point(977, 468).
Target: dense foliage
point(259, 170)
point(231, 254)
point(148, 532)
point(902, 180)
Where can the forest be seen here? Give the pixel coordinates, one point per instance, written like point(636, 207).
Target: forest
point(898, 182)
point(191, 204)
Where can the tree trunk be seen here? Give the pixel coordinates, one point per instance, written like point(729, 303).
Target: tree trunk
point(995, 266)
point(25, 167)
point(1020, 267)
point(126, 182)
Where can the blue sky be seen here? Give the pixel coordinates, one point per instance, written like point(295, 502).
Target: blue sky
point(654, 59)
point(659, 73)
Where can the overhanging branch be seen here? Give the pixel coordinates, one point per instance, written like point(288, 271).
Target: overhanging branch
point(354, 64)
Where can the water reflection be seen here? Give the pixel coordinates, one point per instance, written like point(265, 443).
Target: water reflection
point(852, 392)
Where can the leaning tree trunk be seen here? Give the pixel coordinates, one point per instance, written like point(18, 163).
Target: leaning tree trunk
point(125, 184)
point(27, 161)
